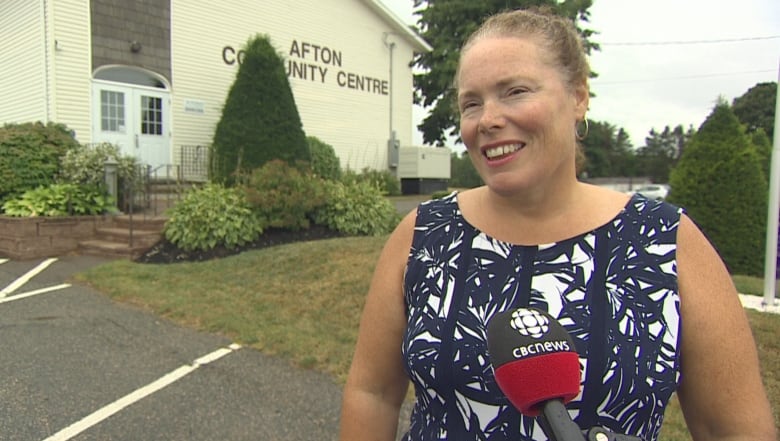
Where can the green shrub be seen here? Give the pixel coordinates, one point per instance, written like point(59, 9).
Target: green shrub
point(30, 156)
point(61, 200)
point(463, 174)
point(324, 161)
point(212, 216)
point(720, 182)
point(86, 164)
point(284, 196)
point(357, 208)
point(440, 194)
point(260, 120)
point(383, 180)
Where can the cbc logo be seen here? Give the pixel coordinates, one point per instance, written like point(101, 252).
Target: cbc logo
point(529, 322)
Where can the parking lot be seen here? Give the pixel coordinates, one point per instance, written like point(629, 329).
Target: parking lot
point(77, 365)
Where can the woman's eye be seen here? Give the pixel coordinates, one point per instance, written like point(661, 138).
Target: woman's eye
point(517, 91)
point(467, 105)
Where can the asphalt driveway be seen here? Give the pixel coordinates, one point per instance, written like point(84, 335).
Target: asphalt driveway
point(76, 365)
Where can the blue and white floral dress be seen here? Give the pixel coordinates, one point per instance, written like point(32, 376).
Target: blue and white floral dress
point(614, 289)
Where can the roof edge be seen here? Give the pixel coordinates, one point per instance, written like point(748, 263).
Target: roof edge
point(418, 43)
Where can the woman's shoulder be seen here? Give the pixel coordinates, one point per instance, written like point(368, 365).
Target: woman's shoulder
point(438, 209)
point(654, 209)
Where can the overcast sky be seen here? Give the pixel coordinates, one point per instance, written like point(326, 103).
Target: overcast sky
point(652, 74)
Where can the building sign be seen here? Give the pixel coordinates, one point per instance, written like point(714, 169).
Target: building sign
point(318, 64)
point(193, 106)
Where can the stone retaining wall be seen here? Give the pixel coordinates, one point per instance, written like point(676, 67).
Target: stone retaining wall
point(35, 237)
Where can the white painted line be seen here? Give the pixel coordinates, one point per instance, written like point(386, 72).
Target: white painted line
point(3, 261)
point(110, 409)
point(26, 278)
point(34, 293)
point(219, 353)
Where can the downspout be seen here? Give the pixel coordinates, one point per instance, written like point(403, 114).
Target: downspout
point(390, 45)
point(392, 145)
point(46, 62)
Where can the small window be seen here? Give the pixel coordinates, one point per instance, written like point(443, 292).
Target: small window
point(112, 111)
point(151, 115)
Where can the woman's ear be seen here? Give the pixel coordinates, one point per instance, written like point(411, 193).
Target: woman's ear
point(581, 101)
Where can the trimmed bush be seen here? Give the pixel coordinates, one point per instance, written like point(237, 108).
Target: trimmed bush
point(357, 208)
point(30, 156)
point(212, 216)
point(324, 161)
point(284, 196)
point(61, 200)
point(260, 121)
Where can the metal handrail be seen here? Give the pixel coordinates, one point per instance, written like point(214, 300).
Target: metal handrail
point(141, 193)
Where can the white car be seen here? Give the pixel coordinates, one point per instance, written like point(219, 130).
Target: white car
point(654, 191)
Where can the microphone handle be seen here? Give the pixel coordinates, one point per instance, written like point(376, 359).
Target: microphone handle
point(557, 424)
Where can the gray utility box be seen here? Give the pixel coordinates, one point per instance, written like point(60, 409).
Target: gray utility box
point(423, 170)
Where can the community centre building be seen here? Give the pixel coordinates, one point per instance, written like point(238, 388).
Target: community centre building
point(152, 76)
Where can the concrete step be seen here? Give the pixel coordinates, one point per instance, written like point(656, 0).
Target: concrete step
point(124, 235)
point(115, 240)
point(97, 247)
point(141, 221)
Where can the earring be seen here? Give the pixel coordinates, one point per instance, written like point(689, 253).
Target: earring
point(577, 134)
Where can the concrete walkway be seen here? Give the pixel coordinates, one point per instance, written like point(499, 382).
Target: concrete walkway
point(757, 303)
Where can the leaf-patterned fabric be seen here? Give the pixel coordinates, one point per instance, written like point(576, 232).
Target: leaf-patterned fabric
point(614, 290)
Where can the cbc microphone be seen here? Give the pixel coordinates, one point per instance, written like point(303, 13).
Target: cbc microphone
point(537, 367)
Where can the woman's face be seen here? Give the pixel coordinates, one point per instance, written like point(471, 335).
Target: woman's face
point(517, 114)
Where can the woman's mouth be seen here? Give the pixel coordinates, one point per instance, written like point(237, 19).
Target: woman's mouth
point(502, 150)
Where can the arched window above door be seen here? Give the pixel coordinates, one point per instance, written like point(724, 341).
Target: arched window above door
point(131, 75)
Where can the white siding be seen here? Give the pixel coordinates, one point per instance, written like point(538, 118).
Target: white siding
point(355, 122)
point(22, 64)
point(70, 76)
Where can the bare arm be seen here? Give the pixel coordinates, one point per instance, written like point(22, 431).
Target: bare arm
point(721, 391)
point(377, 383)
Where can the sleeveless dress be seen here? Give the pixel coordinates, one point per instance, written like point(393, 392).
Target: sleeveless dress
point(613, 289)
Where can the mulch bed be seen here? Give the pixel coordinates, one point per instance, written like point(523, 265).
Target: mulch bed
point(166, 252)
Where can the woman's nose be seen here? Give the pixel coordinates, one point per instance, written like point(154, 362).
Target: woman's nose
point(492, 116)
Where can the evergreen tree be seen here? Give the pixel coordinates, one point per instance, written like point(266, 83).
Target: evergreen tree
point(764, 149)
point(260, 121)
point(756, 108)
point(608, 151)
point(462, 171)
point(661, 151)
point(719, 181)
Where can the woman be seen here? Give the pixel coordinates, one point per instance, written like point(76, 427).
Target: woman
point(646, 299)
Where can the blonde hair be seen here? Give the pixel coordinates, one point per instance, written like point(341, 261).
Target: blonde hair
point(557, 34)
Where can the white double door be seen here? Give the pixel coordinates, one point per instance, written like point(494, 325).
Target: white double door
point(137, 119)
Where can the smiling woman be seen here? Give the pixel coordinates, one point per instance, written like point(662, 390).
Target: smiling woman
point(612, 268)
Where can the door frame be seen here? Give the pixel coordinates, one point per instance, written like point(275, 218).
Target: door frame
point(133, 82)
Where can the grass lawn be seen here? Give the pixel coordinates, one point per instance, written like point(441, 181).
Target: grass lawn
point(302, 302)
